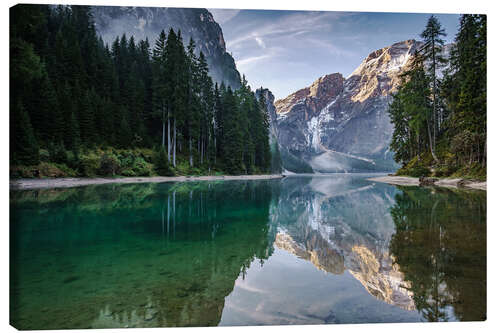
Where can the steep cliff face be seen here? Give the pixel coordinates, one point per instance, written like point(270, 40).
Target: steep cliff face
point(147, 22)
point(341, 124)
point(276, 163)
point(271, 110)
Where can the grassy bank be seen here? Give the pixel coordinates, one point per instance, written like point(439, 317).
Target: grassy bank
point(112, 162)
point(424, 165)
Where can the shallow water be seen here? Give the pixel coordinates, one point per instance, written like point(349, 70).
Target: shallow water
point(302, 250)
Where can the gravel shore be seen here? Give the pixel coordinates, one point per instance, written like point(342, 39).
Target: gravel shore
point(32, 184)
point(445, 182)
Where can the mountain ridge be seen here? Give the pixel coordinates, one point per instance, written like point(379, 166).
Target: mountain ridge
point(340, 124)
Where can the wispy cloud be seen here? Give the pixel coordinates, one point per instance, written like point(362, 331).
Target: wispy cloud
point(288, 50)
point(293, 25)
point(331, 47)
point(251, 60)
point(260, 42)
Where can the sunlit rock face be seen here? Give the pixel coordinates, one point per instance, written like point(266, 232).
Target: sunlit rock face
point(341, 227)
point(341, 124)
point(147, 22)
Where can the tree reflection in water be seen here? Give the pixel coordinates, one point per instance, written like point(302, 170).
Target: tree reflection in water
point(440, 246)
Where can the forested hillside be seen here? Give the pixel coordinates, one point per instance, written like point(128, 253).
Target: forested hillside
point(440, 120)
point(136, 107)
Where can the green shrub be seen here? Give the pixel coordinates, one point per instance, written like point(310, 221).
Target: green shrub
point(44, 155)
point(126, 159)
point(162, 165)
point(417, 167)
point(68, 172)
point(142, 168)
point(147, 154)
point(419, 171)
point(109, 165)
point(89, 165)
point(57, 153)
point(445, 170)
point(73, 158)
point(52, 170)
point(138, 168)
point(22, 171)
point(42, 170)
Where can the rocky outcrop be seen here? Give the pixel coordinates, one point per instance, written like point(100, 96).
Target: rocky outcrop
point(267, 95)
point(341, 124)
point(271, 110)
point(147, 22)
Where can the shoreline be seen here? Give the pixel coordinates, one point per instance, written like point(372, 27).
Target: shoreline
point(445, 182)
point(49, 183)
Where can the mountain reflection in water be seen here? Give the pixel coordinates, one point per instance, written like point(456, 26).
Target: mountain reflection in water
point(302, 250)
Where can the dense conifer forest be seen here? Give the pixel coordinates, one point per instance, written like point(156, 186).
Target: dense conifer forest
point(80, 107)
point(440, 120)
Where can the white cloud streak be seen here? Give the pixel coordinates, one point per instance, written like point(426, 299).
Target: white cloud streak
point(260, 42)
point(251, 60)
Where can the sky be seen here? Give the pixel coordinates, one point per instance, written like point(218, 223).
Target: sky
point(285, 51)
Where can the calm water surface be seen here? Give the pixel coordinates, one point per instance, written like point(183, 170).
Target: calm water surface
point(301, 250)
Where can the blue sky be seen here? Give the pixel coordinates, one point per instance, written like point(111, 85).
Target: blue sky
point(287, 50)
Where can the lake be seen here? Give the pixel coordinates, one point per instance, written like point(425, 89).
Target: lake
point(320, 249)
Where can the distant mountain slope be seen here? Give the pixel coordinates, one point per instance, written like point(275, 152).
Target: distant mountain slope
point(340, 124)
point(147, 22)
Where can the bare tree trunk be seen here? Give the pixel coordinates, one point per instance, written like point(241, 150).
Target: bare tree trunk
point(202, 150)
point(215, 141)
point(483, 163)
point(430, 143)
point(168, 137)
point(163, 134)
point(175, 143)
point(429, 132)
point(163, 128)
point(190, 152)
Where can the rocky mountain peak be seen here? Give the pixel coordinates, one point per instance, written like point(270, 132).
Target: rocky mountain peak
point(315, 96)
point(341, 124)
point(267, 94)
point(378, 74)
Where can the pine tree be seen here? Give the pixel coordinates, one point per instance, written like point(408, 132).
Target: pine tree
point(465, 91)
point(218, 122)
point(192, 123)
point(207, 111)
point(47, 119)
point(75, 90)
point(232, 138)
point(432, 53)
point(86, 118)
point(74, 129)
point(124, 135)
point(161, 87)
point(24, 147)
point(410, 112)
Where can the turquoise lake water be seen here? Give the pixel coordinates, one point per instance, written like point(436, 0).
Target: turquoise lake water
point(300, 250)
